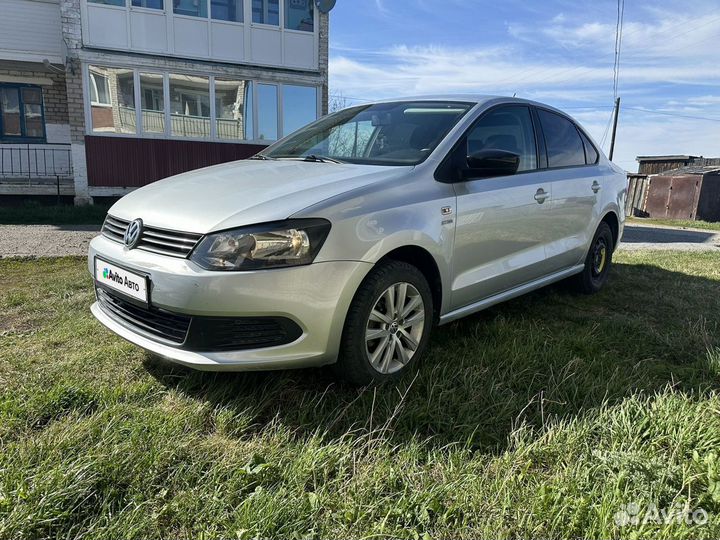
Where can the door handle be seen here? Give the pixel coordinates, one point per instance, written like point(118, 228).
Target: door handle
point(595, 186)
point(541, 195)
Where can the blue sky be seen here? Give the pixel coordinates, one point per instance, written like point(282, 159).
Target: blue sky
point(559, 52)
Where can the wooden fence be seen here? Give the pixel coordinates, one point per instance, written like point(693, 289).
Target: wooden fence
point(636, 195)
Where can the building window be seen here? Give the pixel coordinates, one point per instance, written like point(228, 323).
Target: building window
point(109, 2)
point(150, 4)
point(299, 15)
point(227, 10)
point(152, 102)
point(299, 107)
point(99, 89)
point(231, 107)
point(189, 106)
point(191, 8)
point(21, 113)
point(179, 105)
point(112, 102)
point(32, 104)
point(266, 12)
point(267, 112)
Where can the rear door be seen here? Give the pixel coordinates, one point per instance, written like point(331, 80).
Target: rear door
point(576, 182)
point(501, 221)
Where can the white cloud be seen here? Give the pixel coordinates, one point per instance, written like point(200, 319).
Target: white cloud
point(439, 69)
point(643, 134)
point(567, 61)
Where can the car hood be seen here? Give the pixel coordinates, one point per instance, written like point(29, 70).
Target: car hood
point(244, 193)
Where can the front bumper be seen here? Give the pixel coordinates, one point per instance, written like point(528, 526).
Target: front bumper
point(316, 297)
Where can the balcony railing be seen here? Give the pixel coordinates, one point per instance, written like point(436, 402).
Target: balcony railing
point(35, 161)
point(182, 125)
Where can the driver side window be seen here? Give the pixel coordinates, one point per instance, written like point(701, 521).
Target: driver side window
point(506, 128)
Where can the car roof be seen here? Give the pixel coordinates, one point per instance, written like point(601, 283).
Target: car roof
point(468, 98)
point(473, 99)
point(479, 100)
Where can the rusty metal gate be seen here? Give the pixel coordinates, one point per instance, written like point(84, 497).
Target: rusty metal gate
point(674, 197)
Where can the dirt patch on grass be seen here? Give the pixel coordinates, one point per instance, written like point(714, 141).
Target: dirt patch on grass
point(17, 324)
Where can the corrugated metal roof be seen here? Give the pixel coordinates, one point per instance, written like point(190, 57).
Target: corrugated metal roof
point(672, 157)
point(692, 169)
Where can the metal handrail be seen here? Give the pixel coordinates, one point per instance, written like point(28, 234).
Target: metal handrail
point(35, 161)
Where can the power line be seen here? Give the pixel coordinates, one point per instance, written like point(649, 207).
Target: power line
point(618, 46)
point(645, 110)
point(532, 72)
point(616, 78)
point(664, 113)
point(357, 99)
point(586, 68)
point(607, 127)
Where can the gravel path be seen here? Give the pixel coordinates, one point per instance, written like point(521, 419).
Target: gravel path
point(45, 240)
point(638, 237)
point(62, 240)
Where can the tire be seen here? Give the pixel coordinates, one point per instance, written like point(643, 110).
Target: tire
point(397, 344)
point(597, 262)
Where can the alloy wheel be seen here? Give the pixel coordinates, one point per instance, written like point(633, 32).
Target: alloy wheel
point(394, 328)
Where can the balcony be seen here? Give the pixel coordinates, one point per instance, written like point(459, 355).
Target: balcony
point(36, 169)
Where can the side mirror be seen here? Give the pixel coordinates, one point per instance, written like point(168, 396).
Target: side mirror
point(491, 162)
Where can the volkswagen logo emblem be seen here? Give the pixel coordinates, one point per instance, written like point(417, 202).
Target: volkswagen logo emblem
point(133, 233)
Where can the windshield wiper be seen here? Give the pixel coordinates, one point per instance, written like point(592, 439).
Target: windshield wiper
point(262, 157)
point(314, 158)
point(310, 158)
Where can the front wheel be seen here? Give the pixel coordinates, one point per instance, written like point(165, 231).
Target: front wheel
point(597, 262)
point(388, 325)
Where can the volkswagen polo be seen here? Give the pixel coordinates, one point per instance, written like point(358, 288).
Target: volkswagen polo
point(346, 242)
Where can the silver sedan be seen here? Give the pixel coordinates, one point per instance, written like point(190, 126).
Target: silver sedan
point(348, 241)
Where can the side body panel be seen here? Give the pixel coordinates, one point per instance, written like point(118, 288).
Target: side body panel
point(501, 235)
point(581, 197)
point(368, 223)
point(574, 208)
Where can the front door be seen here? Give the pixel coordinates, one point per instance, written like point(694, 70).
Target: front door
point(501, 221)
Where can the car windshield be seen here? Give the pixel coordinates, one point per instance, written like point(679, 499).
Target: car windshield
point(399, 133)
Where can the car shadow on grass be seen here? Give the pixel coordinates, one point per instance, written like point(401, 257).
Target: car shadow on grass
point(548, 355)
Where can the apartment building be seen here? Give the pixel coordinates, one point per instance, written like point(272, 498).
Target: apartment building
point(98, 97)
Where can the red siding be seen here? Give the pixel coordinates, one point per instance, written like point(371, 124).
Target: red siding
point(130, 162)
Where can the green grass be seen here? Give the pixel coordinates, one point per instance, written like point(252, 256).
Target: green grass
point(538, 418)
point(64, 214)
point(684, 223)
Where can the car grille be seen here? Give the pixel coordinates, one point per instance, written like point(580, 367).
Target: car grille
point(240, 333)
point(157, 323)
point(206, 334)
point(154, 239)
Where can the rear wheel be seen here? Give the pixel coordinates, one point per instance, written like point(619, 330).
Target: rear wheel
point(597, 262)
point(388, 325)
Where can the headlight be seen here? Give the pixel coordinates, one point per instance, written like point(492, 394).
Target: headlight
point(288, 243)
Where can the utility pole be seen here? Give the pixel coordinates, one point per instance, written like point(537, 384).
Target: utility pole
point(614, 131)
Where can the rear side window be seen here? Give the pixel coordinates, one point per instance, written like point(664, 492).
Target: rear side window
point(564, 146)
point(591, 154)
